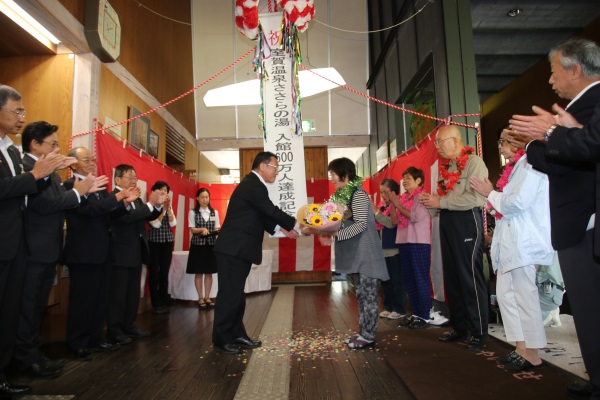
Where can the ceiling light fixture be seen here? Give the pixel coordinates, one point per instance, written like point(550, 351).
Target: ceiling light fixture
point(514, 12)
point(27, 22)
point(248, 92)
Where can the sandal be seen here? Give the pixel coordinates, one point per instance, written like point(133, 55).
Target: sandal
point(208, 302)
point(201, 304)
point(360, 343)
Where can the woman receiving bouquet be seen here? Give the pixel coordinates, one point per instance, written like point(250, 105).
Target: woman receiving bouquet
point(357, 248)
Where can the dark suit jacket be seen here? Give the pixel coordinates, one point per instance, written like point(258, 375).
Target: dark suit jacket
point(581, 145)
point(249, 214)
point(572, 183)
point(129, 239)
point(88, 228)
point(12, 203)
point(45, 217)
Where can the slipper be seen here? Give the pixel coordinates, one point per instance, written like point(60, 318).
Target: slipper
point(360, 343)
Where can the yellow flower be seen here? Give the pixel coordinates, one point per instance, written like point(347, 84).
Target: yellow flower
point(335, 217)
point(316, 220)
point(314, 208)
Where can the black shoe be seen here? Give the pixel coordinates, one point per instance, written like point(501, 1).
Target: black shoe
point(453, 336)
point(57, 364)
point(136, 332)
point(247, 343)
point(105, 346)
point(418, 323)
point(160, 310)
point(83, 354)
point(521, 364)
point(8, 391)
point(476, 342)
point(510, 357)
point(228, 348)
point(582, 389)
point(405, 321)
point(43, 370)
point(121, 340)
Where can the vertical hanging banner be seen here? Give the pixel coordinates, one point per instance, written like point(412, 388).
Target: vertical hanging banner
point(281, 118)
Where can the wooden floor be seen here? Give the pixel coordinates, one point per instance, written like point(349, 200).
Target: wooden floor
point(308, 358)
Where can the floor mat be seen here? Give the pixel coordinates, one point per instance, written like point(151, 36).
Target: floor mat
point(435, 370)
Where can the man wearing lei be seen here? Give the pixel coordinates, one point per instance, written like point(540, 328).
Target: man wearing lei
point(461, 237)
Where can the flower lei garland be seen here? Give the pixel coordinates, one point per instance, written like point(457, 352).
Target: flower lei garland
point(449, 179)
point(407, 200)
point(298, 12)
point(344, 195)
point(503, 181)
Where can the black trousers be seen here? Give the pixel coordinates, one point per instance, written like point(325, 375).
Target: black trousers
point(461, 237)
point(161, 255)
point(39, 278)
point(124, 299)
point(581, 271)
point(231, 299)
point(12, 277)
point(88, 303)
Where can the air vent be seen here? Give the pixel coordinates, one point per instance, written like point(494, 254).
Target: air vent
point(175, 145)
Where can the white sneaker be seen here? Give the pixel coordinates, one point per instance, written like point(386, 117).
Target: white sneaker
point(395, 315)
point(437, 319)
point(384, 314)
point(553, 319)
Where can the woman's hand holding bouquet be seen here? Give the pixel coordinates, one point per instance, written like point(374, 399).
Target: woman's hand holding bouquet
point(321, 219)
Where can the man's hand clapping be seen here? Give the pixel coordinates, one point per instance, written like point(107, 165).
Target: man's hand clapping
point(83, 186)
point(47, 164)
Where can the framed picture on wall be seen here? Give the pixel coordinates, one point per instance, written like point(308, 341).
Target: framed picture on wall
point(152, 147)
point(138, 129)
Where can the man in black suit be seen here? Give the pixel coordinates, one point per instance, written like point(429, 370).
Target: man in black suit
point(87, 254)
point(44, 222)
point(568, 140)
point(15, 184)
point(249, 214)
point(129, 248)
point(573, 194)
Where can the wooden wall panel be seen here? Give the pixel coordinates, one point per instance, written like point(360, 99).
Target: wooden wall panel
point(156, 48)
point(315, 161)
point(115, 98)
point(46, 86)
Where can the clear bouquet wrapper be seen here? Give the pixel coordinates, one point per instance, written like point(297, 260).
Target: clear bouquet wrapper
point(323, 219)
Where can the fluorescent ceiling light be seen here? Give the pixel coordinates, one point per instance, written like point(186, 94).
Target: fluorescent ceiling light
point(27, 22)
point(248, 92)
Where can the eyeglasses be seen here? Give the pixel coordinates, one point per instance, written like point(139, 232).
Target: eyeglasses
point(274, 166)
point(130, 178)
point(18, 113)
point(501, 142)
point(439, 141)
point(53, 144)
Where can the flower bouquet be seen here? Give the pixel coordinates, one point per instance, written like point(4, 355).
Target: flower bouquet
point(321, 219)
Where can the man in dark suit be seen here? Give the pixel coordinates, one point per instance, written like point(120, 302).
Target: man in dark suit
point(568, 140)
point(44, 222)
point(129, 248)
point(573, 196)
point(87, 254)
point(249, 214)
point(15, 184)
